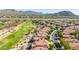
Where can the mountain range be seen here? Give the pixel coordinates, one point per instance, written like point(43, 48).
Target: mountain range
point(61, 13)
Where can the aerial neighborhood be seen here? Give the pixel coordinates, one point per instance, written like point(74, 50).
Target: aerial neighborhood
point(30, 30)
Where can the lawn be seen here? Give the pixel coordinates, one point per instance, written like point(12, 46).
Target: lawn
point(11, 40)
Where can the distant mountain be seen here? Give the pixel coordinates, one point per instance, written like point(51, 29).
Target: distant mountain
point(8, 10)
point(32, 12)
point(12, 11)
point(19, 14)
point(64, 13)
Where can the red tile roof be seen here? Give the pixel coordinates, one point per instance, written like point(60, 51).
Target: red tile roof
point(40, 43)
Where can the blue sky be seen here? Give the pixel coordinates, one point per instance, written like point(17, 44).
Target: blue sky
point(75, 11)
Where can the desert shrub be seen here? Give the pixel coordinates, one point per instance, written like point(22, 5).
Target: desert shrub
point(65, 44)
point(51, 46)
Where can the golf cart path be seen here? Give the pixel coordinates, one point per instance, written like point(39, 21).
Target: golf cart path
point(5, 32)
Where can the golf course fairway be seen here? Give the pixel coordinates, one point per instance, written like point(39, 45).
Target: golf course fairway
point(11, 40)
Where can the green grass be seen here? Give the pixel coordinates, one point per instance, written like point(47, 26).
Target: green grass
point(11, 40)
